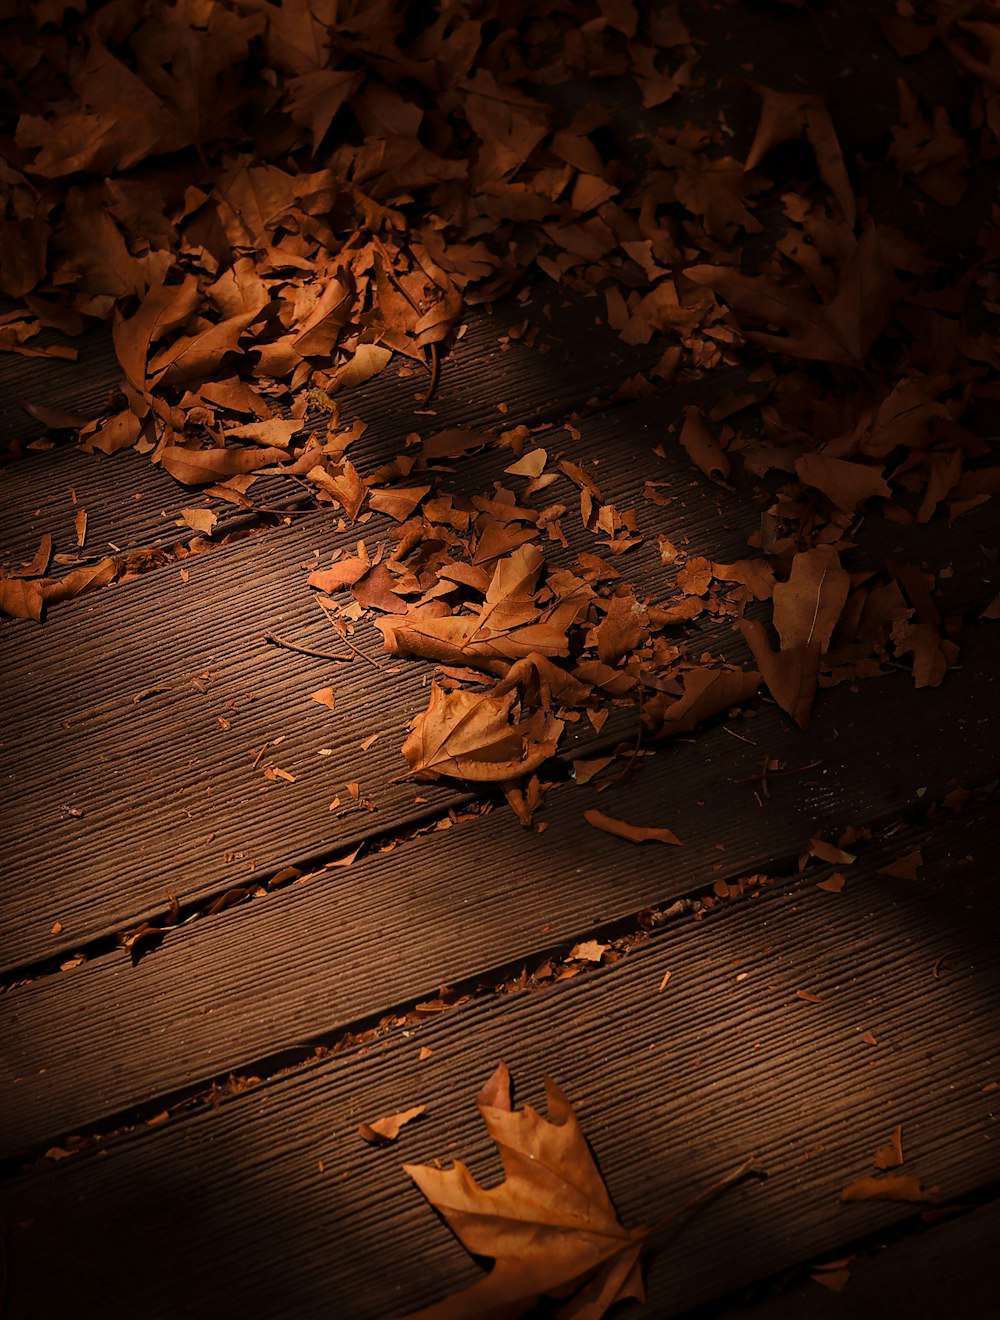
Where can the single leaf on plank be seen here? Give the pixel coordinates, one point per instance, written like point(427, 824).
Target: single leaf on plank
point(890, 1156)
point(894, 1187)
point(707, 692)
point(384, 1131)
point(633, 833)
point(55, 419)
point(39, 564)
point(80, 580)
point(197, 467)
point(466, 735)
point(550, 1226)
point(200, 520)
point(701, 445)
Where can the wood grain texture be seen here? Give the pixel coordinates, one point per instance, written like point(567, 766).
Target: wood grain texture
point(271, 1204)
point(306, 963)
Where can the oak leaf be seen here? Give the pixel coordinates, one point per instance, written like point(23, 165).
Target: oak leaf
point(550, 1226)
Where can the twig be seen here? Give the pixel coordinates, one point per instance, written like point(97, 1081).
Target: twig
point(435, 365)
point(748, 1169)
point(347, 641)
point(302, 650)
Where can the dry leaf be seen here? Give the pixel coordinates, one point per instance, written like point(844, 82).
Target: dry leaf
point(895, 1187)
point(465, 735)
point(325, 697)
point(384, 1131)
point(890, 1156)
point(197, 467)
point(550, 1226)
point(200, 520)
point(633, 833)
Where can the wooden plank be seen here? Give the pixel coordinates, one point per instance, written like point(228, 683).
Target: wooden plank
point(271, 1204)
point(273, 978)
point(931, 1274)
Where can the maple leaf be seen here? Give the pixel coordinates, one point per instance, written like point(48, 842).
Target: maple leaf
point(467, 735)
point(550, 1226)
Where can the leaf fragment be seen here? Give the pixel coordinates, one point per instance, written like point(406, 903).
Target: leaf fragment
point(384, 1131)
point(633, 833)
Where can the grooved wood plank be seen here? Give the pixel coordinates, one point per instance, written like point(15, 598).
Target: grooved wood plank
point(271, 1204)
point(308, 962)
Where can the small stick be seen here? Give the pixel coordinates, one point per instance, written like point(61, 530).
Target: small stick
point(435, 365)
point(347, 641)
point(303, 650)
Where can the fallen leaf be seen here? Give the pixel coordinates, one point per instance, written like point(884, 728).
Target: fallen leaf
point(633, 833)
point(197, 467)
point(905, 867)
point(588, 951)
point(200, 520)
point(550, 1226)
point(701, 445)
point(384, 1131)
point(325, 697)
point(890, 1156)
point(895, 1187)
point(833, 884)
point(80, 523)
point(466, 735)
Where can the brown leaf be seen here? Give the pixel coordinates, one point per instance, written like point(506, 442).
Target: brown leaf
point(701, 445)
point(197, 467)
point(633, 833)
point(21, 599)
point(707, 692)
point(200, 520)
point(326, 697)
point(895, 1187)
point(839, 332)
point(384, 1131)
point(466, 735)
point(791, 676)
point(890, 1156)
point(846, 484)
point(42, 557)
point(550, 1226)
point(808, 605)
point(80, 580)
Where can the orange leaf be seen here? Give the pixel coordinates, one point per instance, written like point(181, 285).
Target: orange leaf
point(196, 467)
point(384, 1131)
point(896, 1187)
point(633, 833)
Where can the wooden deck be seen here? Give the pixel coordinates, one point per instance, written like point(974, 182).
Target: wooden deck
point(180, 1106)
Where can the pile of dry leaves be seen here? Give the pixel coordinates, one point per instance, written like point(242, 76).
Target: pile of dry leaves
point(268, 201)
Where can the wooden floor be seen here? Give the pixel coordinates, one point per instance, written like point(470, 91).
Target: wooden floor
point(180, 1111)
